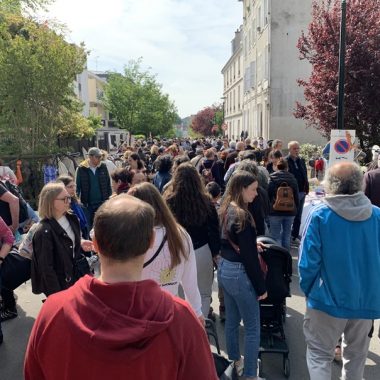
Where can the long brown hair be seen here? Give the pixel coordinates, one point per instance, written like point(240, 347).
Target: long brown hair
point(187, 197)
point(174, 232)
point(234, 198)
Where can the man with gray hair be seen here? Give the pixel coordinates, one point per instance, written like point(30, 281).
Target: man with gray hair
point(339, 270)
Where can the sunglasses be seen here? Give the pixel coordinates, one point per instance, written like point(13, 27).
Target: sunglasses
point(65, 199)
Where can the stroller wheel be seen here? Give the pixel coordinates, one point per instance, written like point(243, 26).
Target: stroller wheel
point(286, 364)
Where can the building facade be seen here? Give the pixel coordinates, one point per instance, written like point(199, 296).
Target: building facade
point(271, 67)
point(233, 88)
point(89, 88)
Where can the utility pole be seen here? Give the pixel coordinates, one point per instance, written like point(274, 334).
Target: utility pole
point(342, 67)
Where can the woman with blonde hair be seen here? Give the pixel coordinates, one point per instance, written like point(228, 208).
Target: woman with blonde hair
point(57, 262)
point(239, 272)
point(171, 260)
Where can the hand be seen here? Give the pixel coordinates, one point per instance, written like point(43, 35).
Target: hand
point(216, 260)
point(260, 247)
point(87, 245)
point(262, 297)
point(201, 319)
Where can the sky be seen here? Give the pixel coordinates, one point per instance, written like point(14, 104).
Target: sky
point(185, 42)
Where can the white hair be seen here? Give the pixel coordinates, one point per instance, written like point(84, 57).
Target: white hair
point(291, 143)
point(347, 182)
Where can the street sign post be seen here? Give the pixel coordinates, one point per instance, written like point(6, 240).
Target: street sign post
point(342, 146)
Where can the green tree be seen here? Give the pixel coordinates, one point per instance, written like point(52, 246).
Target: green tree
point(137, 102)
point(37, 70)
point(15, 6)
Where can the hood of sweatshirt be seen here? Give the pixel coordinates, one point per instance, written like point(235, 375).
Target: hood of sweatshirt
point(356, 207)
point(86, 163)
point(117, 320)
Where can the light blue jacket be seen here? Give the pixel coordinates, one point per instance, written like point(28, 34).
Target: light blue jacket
point(339, 265)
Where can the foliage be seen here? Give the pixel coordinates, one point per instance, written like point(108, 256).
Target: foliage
point(203, 121)
point(15, 6)
point(172, 133)
point(208, 121)
point(320, 46)
point(307, 151)
point(95, 122)
point(137, 102)
point(37, 69)
point(194, 135)
point(139, 137)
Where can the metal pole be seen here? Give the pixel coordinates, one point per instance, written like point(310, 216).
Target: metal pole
point(342, 56)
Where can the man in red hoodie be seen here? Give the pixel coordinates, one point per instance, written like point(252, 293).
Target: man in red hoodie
point(117, 326)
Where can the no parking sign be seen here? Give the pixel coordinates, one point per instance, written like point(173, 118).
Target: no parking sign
point(342, 146)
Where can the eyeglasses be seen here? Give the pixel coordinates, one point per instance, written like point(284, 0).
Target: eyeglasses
point(65, 199)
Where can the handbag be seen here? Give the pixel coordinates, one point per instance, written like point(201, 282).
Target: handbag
point(81, 267)
point(156, 253)
point(15, 270)
point(263, 265)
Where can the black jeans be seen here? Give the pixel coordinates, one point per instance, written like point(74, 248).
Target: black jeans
point(14, 271)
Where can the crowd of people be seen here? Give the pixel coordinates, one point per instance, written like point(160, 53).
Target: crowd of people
point(160, 216)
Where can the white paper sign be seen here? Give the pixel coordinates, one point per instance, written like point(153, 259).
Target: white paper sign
point(342, 146)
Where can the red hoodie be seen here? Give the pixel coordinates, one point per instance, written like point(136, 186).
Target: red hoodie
point(129, 330)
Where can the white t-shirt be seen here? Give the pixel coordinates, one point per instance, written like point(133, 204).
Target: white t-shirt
point(185, 273)
point(65, 224)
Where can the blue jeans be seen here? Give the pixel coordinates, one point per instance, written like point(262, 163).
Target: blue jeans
point(240, 302)
point(297, 219)
point(280, 229)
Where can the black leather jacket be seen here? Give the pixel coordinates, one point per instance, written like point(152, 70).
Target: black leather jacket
point(53, 256)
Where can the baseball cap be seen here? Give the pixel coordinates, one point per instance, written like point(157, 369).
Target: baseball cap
point(94, 151)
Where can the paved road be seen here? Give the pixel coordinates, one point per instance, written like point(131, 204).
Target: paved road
point(16, 334)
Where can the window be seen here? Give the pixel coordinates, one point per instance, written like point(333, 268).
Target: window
point(239, 67)
point(254, 31)
point(238, 97)
point(253, 74)
point(247, 80)
point(259, 24)
point(266, 12)
point(259, 68)
point(266, 63)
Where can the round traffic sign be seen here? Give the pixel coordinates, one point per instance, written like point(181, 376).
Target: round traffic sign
point(342, 146)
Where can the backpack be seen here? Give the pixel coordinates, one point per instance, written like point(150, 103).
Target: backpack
point(13, 189)
point(319, 165)
point(284, 198)
point(207, 174)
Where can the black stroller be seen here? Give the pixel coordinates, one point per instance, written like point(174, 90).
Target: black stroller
point(273, 309)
